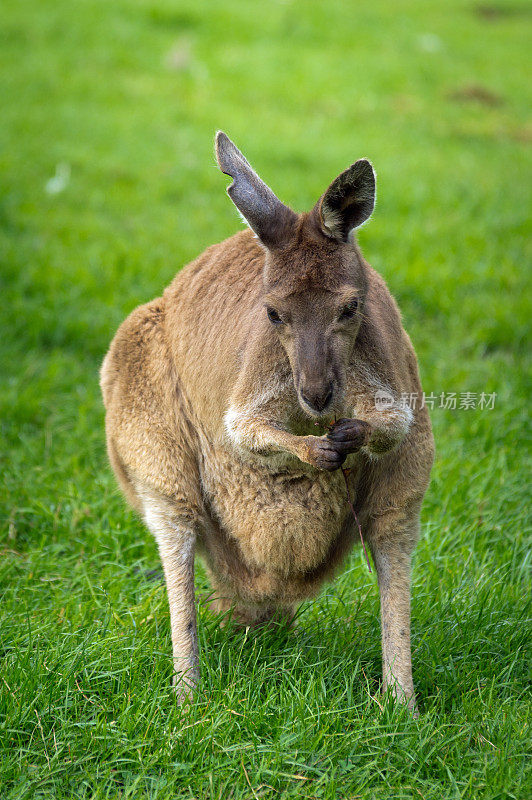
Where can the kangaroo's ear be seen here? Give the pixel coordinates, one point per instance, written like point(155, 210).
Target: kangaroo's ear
point(348, 202)
point(272, 221)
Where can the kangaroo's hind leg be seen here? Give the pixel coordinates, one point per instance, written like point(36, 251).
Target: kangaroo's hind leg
point(174, 532)
point(392, 537)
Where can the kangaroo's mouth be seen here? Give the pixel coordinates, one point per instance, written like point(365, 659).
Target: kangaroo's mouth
point(323, 402)
point(321, 417)
point(317, 414)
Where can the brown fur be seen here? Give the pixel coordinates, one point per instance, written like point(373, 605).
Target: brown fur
point(213, 442)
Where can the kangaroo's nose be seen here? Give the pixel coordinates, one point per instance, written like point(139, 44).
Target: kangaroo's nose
point(318, 400)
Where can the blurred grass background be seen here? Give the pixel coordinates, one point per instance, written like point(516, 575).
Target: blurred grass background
point(109, 186)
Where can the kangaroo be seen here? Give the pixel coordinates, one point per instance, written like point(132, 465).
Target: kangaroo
point(232, 401)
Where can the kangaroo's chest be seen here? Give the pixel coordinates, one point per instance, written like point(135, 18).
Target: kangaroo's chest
point(284, 521)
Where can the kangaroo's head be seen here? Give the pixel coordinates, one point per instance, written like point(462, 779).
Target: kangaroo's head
point(315, 280)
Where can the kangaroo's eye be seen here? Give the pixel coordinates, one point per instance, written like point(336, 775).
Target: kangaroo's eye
point(273, 316)
point(349, 310)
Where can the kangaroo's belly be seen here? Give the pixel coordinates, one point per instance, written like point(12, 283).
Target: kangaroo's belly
point(284, 522)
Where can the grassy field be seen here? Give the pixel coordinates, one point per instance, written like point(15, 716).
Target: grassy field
point(109, 187)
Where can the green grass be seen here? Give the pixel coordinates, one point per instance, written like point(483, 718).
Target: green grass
point(129, 94)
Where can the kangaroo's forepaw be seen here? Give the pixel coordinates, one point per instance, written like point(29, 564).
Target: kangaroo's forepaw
point(349, 435)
